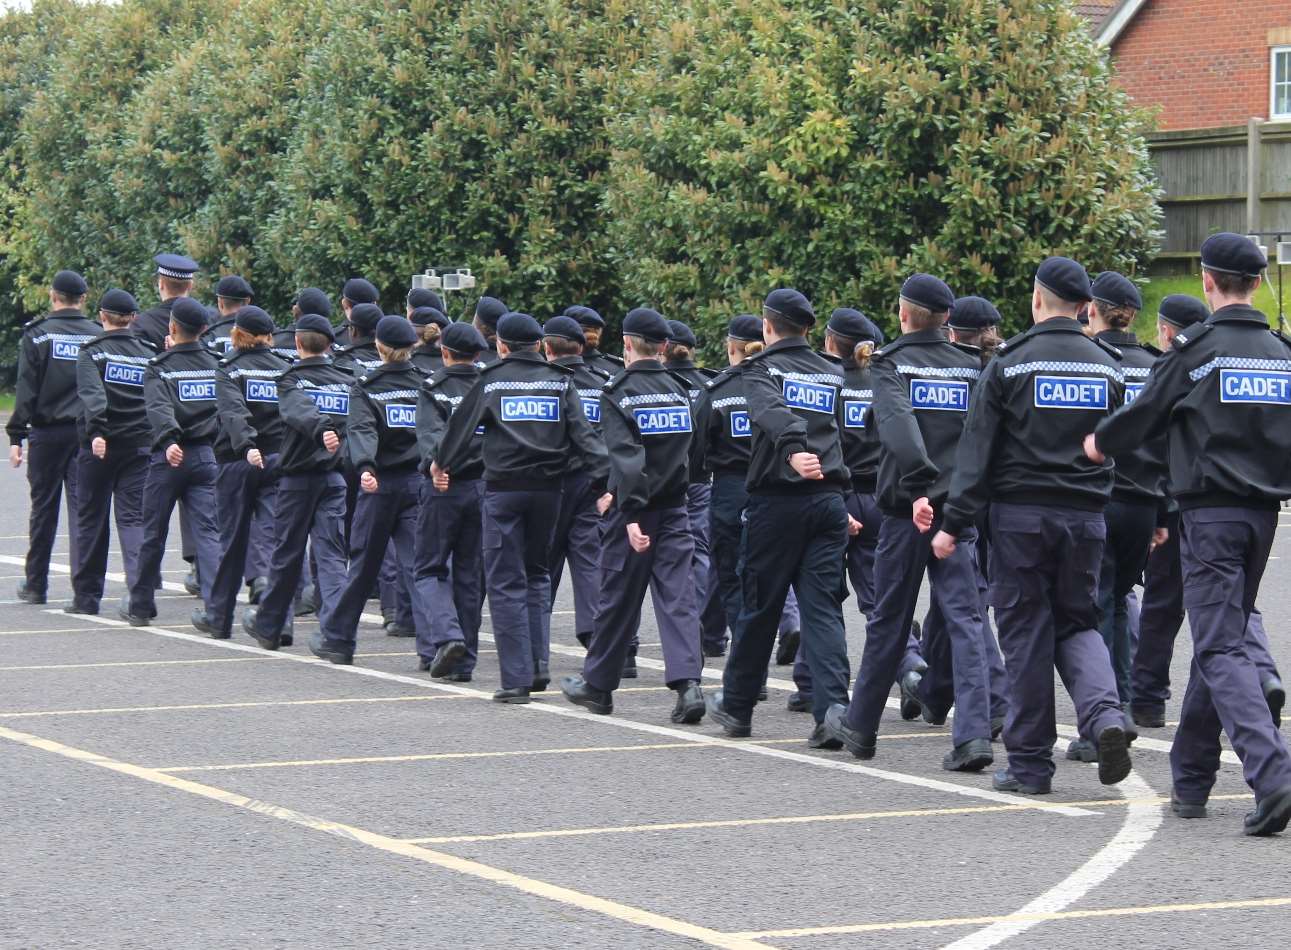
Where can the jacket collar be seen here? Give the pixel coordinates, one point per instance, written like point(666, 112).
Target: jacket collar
point(526, 356)
point(1058, 325)
point(461, 369)
point(647, 366)
point(1118, 338)
point(1238, 313)
point(568, 361)
point(788, 343)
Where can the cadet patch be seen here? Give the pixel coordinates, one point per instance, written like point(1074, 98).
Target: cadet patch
point(1132, 391)
point(332, 404)
point(65, 350)
point(947, 395)
point(1268, 387)
point(196, 390)
point(123, 374)
point(665, 420)
point(592, 409)
point(854, 413)
point(813, 397)
point(741, 426)
point(400, 416)
point(530, 409)
point(1071, 392)
point(262, 390)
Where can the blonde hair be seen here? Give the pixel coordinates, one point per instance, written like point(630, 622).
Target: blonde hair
point(428, 334)
point(750, 347)
point(392, 354)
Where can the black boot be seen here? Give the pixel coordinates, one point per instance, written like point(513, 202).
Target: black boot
point(690, 703)
point(202, 621)
point(860, 745)
point(447, 656)
point(578, 692)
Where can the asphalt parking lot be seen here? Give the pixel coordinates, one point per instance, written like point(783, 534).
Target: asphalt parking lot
point(161, 789)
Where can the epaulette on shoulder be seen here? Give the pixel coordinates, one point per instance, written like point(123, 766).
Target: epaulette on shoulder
point(616, 360)
point(491, 367)
point(709, 373)
point(1013, 342)
point(31, 323)
point(615, 381)
point(1281, 336)
point(1110, 350)
point(724, 377)
point(967, 348)
point(1191, 335)
point(1151, 349)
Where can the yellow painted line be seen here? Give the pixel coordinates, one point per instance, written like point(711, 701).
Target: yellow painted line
point(93, 666)
point(15, 633)
point(448, 862)
point(1018, 918)
point(41, 713)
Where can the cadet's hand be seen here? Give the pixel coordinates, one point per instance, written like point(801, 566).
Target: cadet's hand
point(99, 446)
point(438, 477)
point(640, 542)
point(1159, 537)
point(853, 526)
point(807, 465)
point(168, 342)
point(331, 441)
point(1091, 450)
point(603, 503)
point(943, 545)
point(175, 456)
point(368, 482)
point(255, 458)
point(923, 514)
point(15, 455)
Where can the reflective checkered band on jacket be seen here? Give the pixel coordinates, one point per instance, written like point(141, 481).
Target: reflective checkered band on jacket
point(1058, 366)
point(1136, 372)
point(554, 385)
point(1238, 362)
point(940, 372)
point(255, 373)
point(650, 399)
point(826, 378)
point(730, 401)
point(188, 374)
point(857, 394)
point(101, 355)
point(395, 394)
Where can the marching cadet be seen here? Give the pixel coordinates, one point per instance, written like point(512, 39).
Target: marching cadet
point(175, 275)
point(179, 389)
point(488, 311)
point(429, 323)
point(577, 536)
point(593, 329)
point(533, 421)
point(45, 413)
point(112, 463)
point(314, 404)
point(449, 567)
point(356, 291)
point(310, 300)
point(1223, 397)
point(922, 385)
point(419, 297)
point(232, 293)
point(247, 451)
point(648, 543)
point(360, 356)
point(1034, 399)
point(381, 441)
point(797, 523)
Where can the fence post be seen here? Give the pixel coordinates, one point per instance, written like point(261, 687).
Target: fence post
point(1253, 175)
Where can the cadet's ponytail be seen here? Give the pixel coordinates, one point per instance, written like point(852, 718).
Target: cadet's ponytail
point(862, 351)
point(429, 334)
point(753, 347)
point(244, 339)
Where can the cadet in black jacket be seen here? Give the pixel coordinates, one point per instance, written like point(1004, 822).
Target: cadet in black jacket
point(797, 522)
point(1047, 531)
point(430, 323)
point(577, 536)
point(449, 570)
point(381, 439)
point(44, 416)
point(112, 464)
point(355, 291)
point(360, 357)
point(533, 421)
point(314, 404)
point(179, 389)
point(922, 384)
point(175, 275)
point(1223, 396)
point(593, 325)
point(246, 450)
point(488, 311)
point(648, 428)
point(232, 293)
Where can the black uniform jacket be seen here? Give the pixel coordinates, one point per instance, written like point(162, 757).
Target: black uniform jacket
point(648, 426)
point(428, 360)
point(438, 399)
point(46, 390)
point(247, 396)
point(154, 325)
point(1223, 394)
point(589, 382)
point(1140, 474)
point(1044, 391)
point(724, 430)
point(284, 345)
point(382, 432)
point(109, 381)
point(179, 386)
point(861, 447)
point(358, 358)
point(313, 398)
point(607, 363)
point(219, 336)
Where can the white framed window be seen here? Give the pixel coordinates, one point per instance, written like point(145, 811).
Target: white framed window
point(1280, 75)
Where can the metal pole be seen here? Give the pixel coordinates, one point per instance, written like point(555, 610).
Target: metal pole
point(1253, 176)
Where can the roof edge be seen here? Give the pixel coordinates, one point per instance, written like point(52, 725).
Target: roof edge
point(1116, 22)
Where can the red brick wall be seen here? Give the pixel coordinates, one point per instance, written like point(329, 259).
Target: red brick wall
point(1205, 62)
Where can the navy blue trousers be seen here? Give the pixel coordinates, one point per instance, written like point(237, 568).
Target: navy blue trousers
point(51, 472)
point(577, 539)
point(448, 569)
point(861, 551)
point(243, 494)
point(1129, 538)
point(111, 486)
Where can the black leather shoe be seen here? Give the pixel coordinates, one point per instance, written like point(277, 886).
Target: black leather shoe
point(576, 690)
point(1271, 814)
point(1149, 717)
point(29, 595)
point(715, 651)
point(797, 702)
point(787, 648)
point(519, 696)
point(256, 589)
point(321, 649)
point(934, 718)
point(1082, 750)
point(287, 637)
point(135, 620)
point(266, 640)
point(396, 629)
point(86, 609)
point(1006, 781)
point(1113, 755)
point(630, 668)
point(820, 738)
point(447, 656)
point(690, 704)
point(971, 756)
point(191, 582)
point(734, 728)
point(997, 727)
point(541, 677)
point(857, 743)
point(911, 707)
point(202, 621)
point(1186, 809)
point(1276, 696)
point(455, 678)
point(762, 695)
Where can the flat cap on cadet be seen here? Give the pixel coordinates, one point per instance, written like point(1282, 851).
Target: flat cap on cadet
point(973, 313)
point(1228, 253)
point(358, 290)
point(1065, 279)
point(853, 325)
point(176, 266)
point(425, 316)
point(313, 300)
point(315, 323)
point(490, 310)
point(233, 287)
point(188, 313)
point(745, 328)
point(364, 317)
point(566, 328)
point(1116, 290)
point(931, 293)
point(425, 297)
point(118, 302)
point(793, 306)
point(519, 329)
point(395, 331)
point(462, 338)
point(647, 324)
point(254, 320)
point(681, 334)
point(1181, 310)
point(586, 316)
point(70, 283)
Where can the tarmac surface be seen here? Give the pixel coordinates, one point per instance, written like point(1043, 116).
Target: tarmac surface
point(161, 789)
